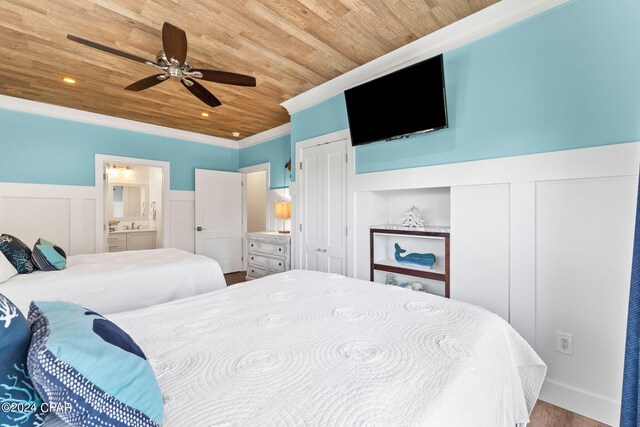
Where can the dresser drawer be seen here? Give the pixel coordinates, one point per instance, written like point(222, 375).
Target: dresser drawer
point(267, 248)
point(256, 272)
point(256, 260)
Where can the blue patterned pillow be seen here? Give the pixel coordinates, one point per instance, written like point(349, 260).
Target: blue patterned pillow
point(48, 257)
point(18, 254)
point(81, 360)
point(16, 388)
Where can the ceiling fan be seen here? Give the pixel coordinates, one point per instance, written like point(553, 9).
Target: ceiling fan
point(173, 63)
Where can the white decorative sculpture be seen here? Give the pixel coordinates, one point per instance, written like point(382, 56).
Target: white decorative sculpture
point(412, 218)
point(417, 286)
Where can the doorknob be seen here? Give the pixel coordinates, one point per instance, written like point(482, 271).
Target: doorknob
point(324, 250)
point(200, 228)
point(318, 250)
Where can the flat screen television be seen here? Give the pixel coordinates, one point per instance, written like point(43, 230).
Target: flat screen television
point(407, 101)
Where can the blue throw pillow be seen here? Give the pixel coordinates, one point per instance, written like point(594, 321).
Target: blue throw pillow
point(80, 360)
point(48, 257)
point(18, 254)
point(16, 389)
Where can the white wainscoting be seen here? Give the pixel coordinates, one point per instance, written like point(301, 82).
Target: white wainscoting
point(66, 215)
point(584, 241)
point(62, 214)
point(182, 205)
point(480, 246)
point(566, 224)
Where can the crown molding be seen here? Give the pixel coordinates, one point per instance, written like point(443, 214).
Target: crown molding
point(42, 109)
point(261, 137)
point(473, 27)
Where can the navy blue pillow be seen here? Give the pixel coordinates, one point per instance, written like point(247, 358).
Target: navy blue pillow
point(18, 254)
point(15, 385)
point(82, 361)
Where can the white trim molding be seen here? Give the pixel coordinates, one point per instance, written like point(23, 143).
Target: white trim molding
point(487, 21)
point(261, 137)
point(100, 162)
point(50, 110)
point(296, 196)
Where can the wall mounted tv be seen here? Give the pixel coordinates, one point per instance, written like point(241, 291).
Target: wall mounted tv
point(407, 101)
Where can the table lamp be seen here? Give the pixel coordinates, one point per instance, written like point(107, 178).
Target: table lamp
point(283, 212)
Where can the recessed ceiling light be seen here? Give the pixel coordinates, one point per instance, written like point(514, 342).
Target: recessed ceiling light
point(236, 134)
point(69, 80)
point(205, 114)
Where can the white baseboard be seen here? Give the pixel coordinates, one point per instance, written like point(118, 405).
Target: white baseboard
point(581, 402)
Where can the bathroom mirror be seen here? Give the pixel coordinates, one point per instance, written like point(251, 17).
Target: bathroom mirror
point(129, 201)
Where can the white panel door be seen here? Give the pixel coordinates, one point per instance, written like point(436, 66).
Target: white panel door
point(480, 246)
point(334, 249)
point(218, 208)
point(311, 212)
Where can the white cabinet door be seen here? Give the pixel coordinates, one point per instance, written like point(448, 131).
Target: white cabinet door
point(480, 246)
point(219, 217)
point(334, 250)
point(324, 208)
point(141, 240)
point(311, 220)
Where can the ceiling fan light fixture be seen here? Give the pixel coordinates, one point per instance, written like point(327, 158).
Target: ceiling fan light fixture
point(172, 61)
point(204, 114)
point(69, 80)
point(235, 134)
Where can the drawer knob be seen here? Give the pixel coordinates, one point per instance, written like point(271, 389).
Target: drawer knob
point(251, 257)
point(280, 264)
point(252, 245)
point(280, 249)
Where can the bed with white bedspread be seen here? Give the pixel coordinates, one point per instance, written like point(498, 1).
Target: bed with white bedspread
point(119, 281)
point(311, 349)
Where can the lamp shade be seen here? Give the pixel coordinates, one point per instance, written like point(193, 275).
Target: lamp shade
point(283, 210)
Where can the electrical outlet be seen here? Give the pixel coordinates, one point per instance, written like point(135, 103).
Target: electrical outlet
point(564, 343)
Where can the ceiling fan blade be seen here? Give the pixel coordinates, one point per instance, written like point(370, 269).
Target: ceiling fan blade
point(147, 82)
point(107, 49)
point(201, 93)
point(226, 77)
point(174, 42)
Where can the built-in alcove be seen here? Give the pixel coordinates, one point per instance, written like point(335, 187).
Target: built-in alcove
point(386, 207)
point(434, 205)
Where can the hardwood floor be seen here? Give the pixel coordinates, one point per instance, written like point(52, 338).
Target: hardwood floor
point(237, 277)
point(544, 414)
point(547, 415)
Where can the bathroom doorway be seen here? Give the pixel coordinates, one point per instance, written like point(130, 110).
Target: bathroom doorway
point(132, 211)
point(256, 206)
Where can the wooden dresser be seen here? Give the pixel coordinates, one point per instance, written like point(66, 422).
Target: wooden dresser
point(268, 253)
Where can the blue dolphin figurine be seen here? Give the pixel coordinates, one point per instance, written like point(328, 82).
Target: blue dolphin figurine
point(423, 260)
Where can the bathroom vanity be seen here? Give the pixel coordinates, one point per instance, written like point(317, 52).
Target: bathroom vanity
point(132, 240)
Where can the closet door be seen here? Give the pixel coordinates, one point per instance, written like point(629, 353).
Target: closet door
point(334, 249)
point(312, 212)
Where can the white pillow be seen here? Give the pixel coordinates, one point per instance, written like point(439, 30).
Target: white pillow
point(7, 270)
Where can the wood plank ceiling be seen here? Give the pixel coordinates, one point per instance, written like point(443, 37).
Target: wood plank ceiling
point(289, 46)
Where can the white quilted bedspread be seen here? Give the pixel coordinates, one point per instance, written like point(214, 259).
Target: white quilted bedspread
point(312, 349)
point(120, 281)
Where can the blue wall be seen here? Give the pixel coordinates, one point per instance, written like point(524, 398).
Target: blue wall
point(277, 151)
point(568, 78)
point(44, 150)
